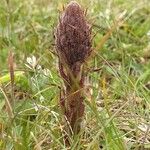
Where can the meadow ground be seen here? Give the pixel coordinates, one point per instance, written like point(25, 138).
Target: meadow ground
point(117, 115)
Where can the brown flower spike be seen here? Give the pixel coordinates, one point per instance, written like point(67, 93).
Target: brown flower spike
point(73, 45)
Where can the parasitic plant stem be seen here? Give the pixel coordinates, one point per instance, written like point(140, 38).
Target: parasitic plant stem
point(73, 46)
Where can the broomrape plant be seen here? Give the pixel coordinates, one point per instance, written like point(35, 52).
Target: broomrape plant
point(73, 46)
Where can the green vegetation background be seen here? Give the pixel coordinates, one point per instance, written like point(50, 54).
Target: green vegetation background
point(118, 83)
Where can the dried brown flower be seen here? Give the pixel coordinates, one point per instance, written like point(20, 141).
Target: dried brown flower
point(73, 35)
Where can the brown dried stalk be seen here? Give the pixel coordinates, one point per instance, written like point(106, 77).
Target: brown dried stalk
point(73, 45)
